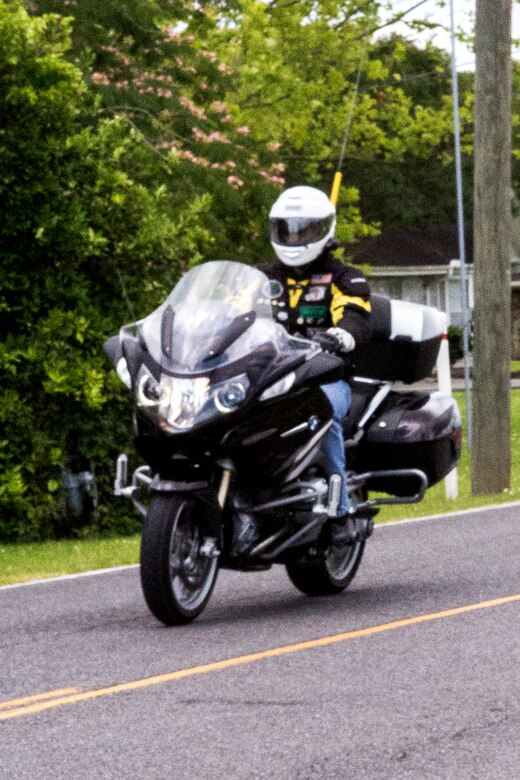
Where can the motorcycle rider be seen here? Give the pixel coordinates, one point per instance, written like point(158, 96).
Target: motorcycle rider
point(315, 295)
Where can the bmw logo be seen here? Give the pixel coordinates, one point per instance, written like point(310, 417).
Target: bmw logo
point(313, 423)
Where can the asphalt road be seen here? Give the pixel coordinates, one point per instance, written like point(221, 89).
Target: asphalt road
point(432, 692)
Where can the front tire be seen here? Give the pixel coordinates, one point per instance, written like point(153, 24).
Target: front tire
point(176, 580)
point(328, 574)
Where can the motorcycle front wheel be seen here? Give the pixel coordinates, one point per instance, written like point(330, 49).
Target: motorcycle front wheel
point(176, 579)
point(330, 573)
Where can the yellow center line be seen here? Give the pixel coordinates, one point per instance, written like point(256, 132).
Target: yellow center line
point(38, 697)
point(228, 663)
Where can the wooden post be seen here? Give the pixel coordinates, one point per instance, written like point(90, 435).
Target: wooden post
point(451, 481)
point(491, 462)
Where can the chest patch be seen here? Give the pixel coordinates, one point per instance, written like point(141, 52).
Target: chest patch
point(321, 279)
point(273, 289)
point(315, 294)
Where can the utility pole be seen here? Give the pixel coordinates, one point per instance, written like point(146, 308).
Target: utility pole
point(491, 461)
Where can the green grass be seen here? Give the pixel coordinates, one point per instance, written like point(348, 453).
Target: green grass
point(436, 502)
point(25, 562)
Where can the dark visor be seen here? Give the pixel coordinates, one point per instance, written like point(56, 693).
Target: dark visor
point(298, 231)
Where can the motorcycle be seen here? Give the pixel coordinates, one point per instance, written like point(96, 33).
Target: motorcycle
point(229, 419)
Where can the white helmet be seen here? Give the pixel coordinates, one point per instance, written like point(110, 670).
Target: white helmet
point(301, 222)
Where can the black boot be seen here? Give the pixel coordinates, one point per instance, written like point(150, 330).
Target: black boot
point(245, 534)
point(342, 530)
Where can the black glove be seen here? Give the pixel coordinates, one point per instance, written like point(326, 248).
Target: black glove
point(327, 341)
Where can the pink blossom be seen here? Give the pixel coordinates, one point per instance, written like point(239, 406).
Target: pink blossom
point(210, 55)
point(235, 182)
point(220, 137)
point(100, 79)
point(231, 165)
point(213, 137)
point(196, 111)
point(243, 130)
point(119, 55)
point(278, 168)
point(272, 179)
point(273, 146)
point(182, 66)
point(223, 68)
point(162, 92)
point(217, 105)
point(187, 154)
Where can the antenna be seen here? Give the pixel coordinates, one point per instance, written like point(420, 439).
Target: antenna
point(338, 175)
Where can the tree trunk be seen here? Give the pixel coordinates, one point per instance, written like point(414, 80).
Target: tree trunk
point(491, 461)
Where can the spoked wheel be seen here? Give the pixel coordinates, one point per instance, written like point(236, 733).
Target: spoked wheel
point(177, 573)
point(331, 573)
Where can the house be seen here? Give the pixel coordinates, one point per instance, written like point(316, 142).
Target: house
point(423, 266)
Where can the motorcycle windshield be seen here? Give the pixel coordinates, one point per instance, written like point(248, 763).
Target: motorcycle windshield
point(218, 313)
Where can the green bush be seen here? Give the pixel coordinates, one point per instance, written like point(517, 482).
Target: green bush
point(90, 240)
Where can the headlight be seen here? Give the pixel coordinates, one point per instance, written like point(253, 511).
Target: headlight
point(149, 392)
point(230, 396)
point(183, 399)
point(181, 402)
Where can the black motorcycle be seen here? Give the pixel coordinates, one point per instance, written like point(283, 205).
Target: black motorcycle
point(229, 418)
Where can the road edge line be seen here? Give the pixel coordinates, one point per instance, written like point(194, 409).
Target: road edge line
point(446, 515)
point(378, 527)
point(75, 575)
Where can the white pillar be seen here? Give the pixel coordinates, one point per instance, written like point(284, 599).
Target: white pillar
point(451, 482)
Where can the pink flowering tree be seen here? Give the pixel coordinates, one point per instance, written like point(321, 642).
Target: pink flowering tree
point(157, 69)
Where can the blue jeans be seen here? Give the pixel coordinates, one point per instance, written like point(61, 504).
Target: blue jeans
point(333, 447)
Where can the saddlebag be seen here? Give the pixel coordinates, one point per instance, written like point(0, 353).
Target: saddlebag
point(405, 342)
point(411, 431)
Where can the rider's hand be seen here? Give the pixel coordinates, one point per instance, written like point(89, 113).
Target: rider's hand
point(345, 338)
point(335, 340)
point(327, 341)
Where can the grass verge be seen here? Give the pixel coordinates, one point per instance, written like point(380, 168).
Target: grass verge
point(436, 502)
point(25, 562)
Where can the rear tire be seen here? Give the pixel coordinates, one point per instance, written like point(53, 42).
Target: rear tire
point(329, 574)
point(176, 581)
point(335, 570)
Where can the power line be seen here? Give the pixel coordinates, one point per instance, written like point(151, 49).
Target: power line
point(396, 19)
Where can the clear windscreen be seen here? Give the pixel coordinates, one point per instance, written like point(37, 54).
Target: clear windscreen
point(218, 313)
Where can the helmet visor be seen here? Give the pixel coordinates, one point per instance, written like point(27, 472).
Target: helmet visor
point(299, 231)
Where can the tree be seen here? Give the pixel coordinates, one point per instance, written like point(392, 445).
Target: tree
point(80, 216)
point(293, 78)
point(150, 62)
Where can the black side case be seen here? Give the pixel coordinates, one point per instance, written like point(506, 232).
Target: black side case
point(412, 430)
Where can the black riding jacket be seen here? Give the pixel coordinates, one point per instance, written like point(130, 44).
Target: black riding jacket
point(320, 295)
